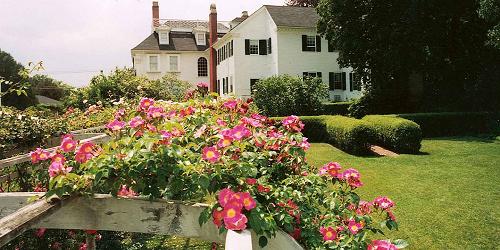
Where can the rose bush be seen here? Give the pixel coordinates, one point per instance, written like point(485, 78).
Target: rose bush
point(251, 171)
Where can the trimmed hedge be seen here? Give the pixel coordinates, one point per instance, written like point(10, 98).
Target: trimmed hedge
point(395, 133)
point(455, 123)
point(336, 108)
point(349, 134)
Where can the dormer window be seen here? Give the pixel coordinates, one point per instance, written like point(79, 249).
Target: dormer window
point(163, 37)
point(201, 39)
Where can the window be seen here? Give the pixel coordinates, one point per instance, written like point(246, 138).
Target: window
point(311, 43)
point(200, 39)
point(337, 80)
point(154, 63)
point(225, 86)
point(231, 84)
point(269, 46)
point(231, 48)
point(308, 75)
point(355, 84)
point(254, 47)
point(252, 84)
point(174, 63)
point(163, 37)
point(218, 86)
point(202, 66)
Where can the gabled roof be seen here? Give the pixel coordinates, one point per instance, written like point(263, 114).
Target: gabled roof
point(290, 16)
point(179, 41)
point(191, 24)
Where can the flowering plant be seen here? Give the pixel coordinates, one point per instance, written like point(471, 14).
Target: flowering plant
point(250, 170)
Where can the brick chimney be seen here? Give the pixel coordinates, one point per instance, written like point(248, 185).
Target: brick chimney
point(212, 26)
point(156, 15)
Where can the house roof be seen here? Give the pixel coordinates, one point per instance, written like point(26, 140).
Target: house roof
point(291, 16)
point(191, 24)
point(178, 41)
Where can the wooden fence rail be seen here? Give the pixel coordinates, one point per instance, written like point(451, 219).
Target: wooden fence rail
point(103, 212)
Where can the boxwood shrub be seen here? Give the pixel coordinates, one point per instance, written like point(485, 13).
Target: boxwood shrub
point(349, 134)
point(336, 108)
point(455, 123)
point(395, 133)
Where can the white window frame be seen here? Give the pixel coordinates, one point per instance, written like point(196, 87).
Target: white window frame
point(203, 41)
point(309, 39)
point(157, 63)
point(250, 47)
point(178, 63)
point(163, 40)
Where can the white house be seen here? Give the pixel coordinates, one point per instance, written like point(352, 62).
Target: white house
point(180, 47)
point(274, 40)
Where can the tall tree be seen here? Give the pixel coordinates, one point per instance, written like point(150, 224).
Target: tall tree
point(303, 3)
point(490, 11)
point(411, 55)
point(10, 71)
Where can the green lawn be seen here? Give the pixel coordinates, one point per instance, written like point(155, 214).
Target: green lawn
point(448, 197)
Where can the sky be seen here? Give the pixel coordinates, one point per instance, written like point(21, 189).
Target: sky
point(77, 39)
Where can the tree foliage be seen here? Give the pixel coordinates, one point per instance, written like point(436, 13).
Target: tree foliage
point(490, 11)
point(413, 55)
point(303, 3)
point(11, 73)
point(49, 87)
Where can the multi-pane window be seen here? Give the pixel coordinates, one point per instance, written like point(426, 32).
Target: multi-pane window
point(355, 83)
point(200, 39)
point(154, 63)
point(252, 84)
point(231, 84)
point(310, 75)
point(202, 66)
point(254, 47)
point(311, 42)
point(336, 80)
point(174, 63)
point(231, 48)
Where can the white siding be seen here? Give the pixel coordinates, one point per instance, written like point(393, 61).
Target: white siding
point(188, 65)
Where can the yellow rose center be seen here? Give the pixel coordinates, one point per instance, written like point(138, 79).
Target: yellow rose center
point(87, 149)
point(210, 154)
point(231, 213)
point(329, 234)
point(354, 228)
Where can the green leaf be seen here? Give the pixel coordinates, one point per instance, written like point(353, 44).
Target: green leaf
point(262, 241)
point(204, 216)
point(400, 243)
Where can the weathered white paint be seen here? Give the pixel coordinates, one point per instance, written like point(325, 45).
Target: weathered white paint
point(286, 57)
point(103, 212)
point(188, 64)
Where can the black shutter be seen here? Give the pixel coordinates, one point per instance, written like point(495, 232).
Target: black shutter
point(350, 81)
point(319, 75)
point(318, 43)
point(304, 43)
point(269, 46)
point(263, 47)
point(344, 81)
point(247, 46)
point(304, 75)
point(331, 84)
point(330, 46)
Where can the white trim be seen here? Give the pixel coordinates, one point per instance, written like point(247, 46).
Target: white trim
point(158, 70)
point(163, 41)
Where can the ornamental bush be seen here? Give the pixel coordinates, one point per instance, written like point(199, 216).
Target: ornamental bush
point(23, 129)
point(250, 170)
point(394, 133)
point(122, 85)
point(349, 134)
point(287, 95)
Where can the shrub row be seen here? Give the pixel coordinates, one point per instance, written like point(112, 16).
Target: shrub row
point(355, 136)
point(455, 123)
point(336, 108)
point(395, 133)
